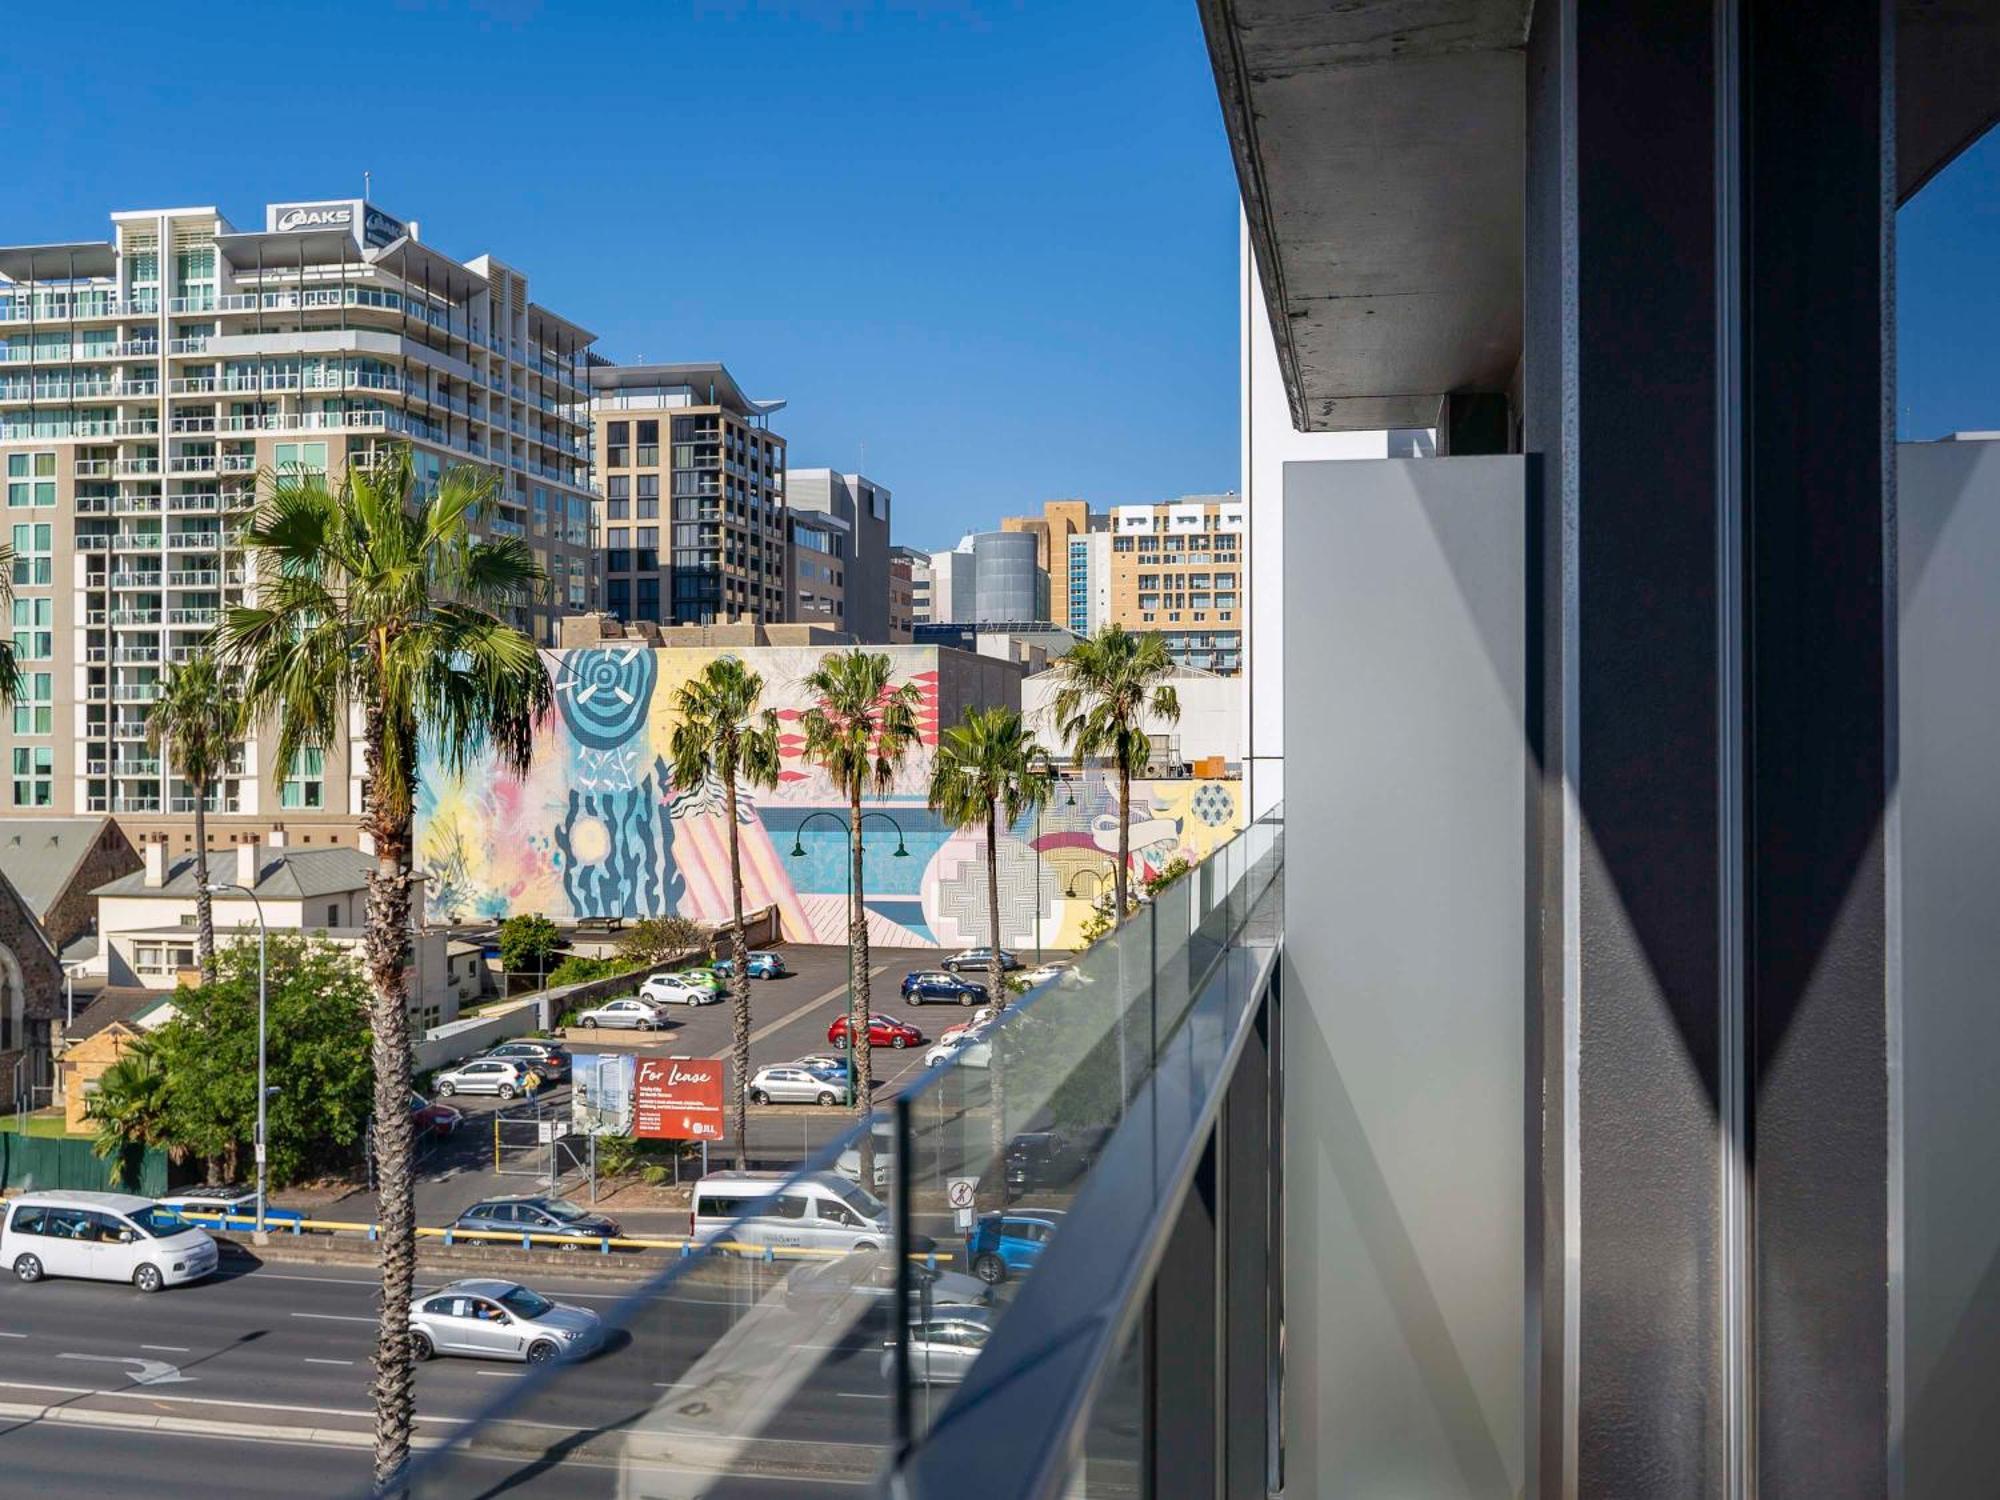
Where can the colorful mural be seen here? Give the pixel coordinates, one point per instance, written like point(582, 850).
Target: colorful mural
point(598, 829)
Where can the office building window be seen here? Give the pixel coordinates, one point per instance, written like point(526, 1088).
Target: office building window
point(618, 560)
point(31, 480)
point(34, 633)
point(304, 784)
point(618, 597)
point(618, 536)
point(649, 598)
point(34, 708)
point(305, 458)
point(649, 445)
point(34, 776)
point(31, 556)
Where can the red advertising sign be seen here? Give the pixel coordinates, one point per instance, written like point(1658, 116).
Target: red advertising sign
point(678, 1099)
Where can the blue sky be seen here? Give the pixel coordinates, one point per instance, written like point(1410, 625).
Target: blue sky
point(993, 243)
point(992, 246)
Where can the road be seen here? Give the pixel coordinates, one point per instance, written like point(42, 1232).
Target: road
point(278, 1352)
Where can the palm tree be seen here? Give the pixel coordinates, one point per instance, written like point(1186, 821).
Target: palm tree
point(129, 1109)
point(10, 668)
point(199, 718)
point(374, 595)
point(989, 764)
point(859, 729)
point(1107, 688)
point(722, 736)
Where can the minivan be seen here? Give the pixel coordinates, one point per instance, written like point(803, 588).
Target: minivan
point(105, 1237)
point(815, 1211)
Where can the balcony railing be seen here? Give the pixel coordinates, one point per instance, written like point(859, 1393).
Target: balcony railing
point(757, 1359)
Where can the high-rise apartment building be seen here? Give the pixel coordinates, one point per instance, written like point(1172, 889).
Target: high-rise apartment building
point(816, 570)
point(1087, 580)
point(862, 506)
point(1059, 521)
point(1177, 568)
point(903, 593)
point(691, 484)
point(148, 380)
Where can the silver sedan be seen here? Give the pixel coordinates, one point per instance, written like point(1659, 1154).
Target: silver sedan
point(501, 1320)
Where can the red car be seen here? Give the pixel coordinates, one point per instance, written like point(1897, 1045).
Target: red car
point(438, 1119)
point(883, 1031)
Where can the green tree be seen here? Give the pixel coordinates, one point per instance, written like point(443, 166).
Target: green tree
point(129, 1112)
point(528, 944)
point(989, 767)
point(655, 940)
point(859, 730)
point(374, 595)
point(723, 737)
point(1107, 688)
point(198, 720)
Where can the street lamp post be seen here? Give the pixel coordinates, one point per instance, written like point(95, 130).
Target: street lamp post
point(1069, 800)
point(216, 887)
point(799, 852)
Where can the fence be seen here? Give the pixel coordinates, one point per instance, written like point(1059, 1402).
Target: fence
point(41, 1164)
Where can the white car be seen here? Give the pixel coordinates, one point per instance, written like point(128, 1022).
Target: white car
point(969, 1050)
point(672, 989)
point(1047, 974)
point(484, 1075)
point(627, 1014)
point(103, 1237)
point(790, 1084)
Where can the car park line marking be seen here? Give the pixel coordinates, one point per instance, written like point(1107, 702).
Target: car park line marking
point(771, 1027)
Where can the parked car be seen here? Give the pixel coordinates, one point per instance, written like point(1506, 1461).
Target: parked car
point(1038, 1160)
point(232, 1202)
point(782, 1084)
point(485, 1075)
point(760, 965)
point(968, 1049)
point(1047, 974)
point(103, 1237)
point(703, 977)
point(883, 1031)
point(546, 1058)
point(538, 1216)
point(627, 1014)
point(437, 1119)
point(943, 1345)
point(928, 985)
point(680, 989)
point(1003, 1244)
point(981, 1019)
point(848, 1163)
point(501, 1320)
point(981, 958)
point(822, 1062)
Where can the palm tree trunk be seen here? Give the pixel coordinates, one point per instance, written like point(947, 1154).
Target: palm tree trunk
point(739, 983)
point(859, 1012)
point(996, 983)
point(1121, 878)
point(204, 915)
point(387, 945)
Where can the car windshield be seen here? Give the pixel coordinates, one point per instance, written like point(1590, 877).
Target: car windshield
point(563, 1209)
point(157, 1221)
point(524, 1303)
point(861, 1201)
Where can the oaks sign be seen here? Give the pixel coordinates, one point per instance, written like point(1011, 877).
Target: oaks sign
point(678, 1099)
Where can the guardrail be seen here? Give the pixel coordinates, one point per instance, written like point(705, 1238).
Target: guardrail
point(685, 1245)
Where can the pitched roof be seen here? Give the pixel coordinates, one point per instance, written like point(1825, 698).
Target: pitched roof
point(115, 1003)
point(41, 855)
point(286, 874)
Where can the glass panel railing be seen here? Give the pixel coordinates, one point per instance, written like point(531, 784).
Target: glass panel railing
point(820, 1321)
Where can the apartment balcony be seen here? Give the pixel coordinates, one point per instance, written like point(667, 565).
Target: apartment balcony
point(134, 802)
point(146, 655)
point(180, 426)
point(132, 466)
point(199, 540)
point(198, 344)
point(192, 385)
point(192, 463)
point(136, 766)
point(135, 349)
point(135, 692)
point(198, 578)
point(237, 463)
point(135, 580)
point(89, 541)
point(135, 616)
point(92, 468)
point(135, 504)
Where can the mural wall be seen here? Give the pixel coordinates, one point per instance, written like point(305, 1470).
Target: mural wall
point(597, 827)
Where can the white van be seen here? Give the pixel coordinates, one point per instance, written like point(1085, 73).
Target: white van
point(818, 1211)
point(103, 1236)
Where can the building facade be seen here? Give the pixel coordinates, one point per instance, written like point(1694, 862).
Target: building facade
point(1177, 568)
point(862, 507)
point(918, 570)
point(148, 382)
point(691, 483)
point(902, 597)
point(1087, 581)
point(816, 569)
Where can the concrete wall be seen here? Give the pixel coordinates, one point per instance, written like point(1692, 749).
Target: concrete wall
point(1404, 977)
point(1949, 845)
point(1211, 721)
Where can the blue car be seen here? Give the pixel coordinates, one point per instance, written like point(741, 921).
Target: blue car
point(759, 966)
point(209, 1206)
point(1002, 1244)
point(936, 986)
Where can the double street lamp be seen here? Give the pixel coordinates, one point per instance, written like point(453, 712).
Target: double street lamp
point(216, 887)
point(799, 852)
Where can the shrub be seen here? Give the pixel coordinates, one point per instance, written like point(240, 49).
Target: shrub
point(528, 944)
point(654, 940)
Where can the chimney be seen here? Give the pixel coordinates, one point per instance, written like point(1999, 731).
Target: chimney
point(276, 838)
point(156, 864)
point(249, 863)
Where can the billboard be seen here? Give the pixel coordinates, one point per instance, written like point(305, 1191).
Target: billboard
point(678, 1099)
point(600, 1096)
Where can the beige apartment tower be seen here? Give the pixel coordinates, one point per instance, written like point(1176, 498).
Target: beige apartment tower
point(150, 382)
point(1177, 568)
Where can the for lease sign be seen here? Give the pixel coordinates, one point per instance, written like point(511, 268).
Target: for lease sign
point(678, 1099)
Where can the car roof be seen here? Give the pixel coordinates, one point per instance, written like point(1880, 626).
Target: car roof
point(123, 1203)
point(478, 1286)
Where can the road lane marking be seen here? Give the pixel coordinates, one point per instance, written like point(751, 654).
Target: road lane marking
point(12, 1335)
point(502, 1374)
point(169, 1348)
point(770, 1028)
point(311, 1361)
point(150, 1371)
point(863, 1395)
point(336, 1317)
